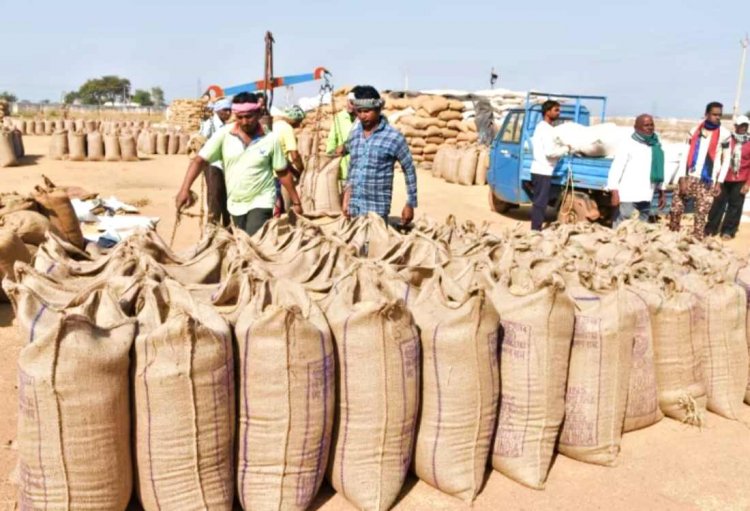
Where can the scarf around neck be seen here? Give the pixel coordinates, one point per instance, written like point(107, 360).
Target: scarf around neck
point(657, 155)
point(695, 143)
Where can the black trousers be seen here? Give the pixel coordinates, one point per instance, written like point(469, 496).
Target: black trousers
point(541, 185)
point(726, 211)
point(253, 220)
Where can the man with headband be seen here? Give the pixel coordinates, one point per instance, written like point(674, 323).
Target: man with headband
point(216, 190)
point(283, 128)
point(339, 134)
point(375, 146)
point(250, 159)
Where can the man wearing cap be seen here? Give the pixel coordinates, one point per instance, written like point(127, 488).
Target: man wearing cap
point(375, 146)
point(216, 191)
point(726, 211)
point(339, 134)
point(283, 128)
point(251, 159)
point(702, 168)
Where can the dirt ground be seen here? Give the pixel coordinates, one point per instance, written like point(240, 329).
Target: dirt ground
point(668, 466)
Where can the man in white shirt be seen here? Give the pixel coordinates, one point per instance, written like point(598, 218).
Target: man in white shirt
point(636, 172)
point(702, 169)
point(216, 190)
point(546, 155)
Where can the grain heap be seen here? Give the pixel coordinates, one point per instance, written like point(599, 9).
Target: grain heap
point(577, 335)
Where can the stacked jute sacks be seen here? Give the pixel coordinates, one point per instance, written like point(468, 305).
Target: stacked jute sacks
point(25, 220)
point(464, 165)
point(47, 127)
point(4, 109)
point(187, 114)
point(358, 353)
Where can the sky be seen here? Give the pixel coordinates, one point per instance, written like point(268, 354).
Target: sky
point(666, 57)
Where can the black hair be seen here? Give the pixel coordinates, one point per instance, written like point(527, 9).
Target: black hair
point(549, 105)
point(245, 97)
point(366, 92)
point(712, 105)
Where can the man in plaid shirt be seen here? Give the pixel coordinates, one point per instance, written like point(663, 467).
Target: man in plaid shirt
point(374, 146)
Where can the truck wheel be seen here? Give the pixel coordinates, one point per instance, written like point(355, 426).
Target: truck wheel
point(499, 206)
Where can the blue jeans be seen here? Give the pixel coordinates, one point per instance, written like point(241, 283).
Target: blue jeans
point(625, 210)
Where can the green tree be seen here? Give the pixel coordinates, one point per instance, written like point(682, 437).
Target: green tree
point(98, 91)
point(142, 97)
point(8, 96)
point(157, 96)
point(70, 97)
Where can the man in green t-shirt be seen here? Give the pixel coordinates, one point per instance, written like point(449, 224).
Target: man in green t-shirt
point(339, 134)
point(250, 159)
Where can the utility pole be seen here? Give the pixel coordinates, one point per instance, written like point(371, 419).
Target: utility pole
point(744, 43)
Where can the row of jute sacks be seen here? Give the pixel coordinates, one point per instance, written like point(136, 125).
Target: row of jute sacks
point(42, 127)
point(119, 145)
point(358, 352)
point(462, 165)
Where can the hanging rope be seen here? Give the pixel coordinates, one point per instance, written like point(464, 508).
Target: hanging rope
point(570, 214)
point(182, 213)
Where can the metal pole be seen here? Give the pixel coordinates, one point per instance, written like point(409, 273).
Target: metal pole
point(744, 43)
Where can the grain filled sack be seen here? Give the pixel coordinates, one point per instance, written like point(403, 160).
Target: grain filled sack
point(643, 394)
point(173, 143)
point(537, 329)
point(95, 146)
point(483, 165)
point(49, 127)
point(183, 394)
point(69, 125)
point(74, 412)
point(598, 375)
point(438, 164)
point(287, 393)
point(56, 206)
point(127, 148)
point(467, 167)
point(460, 386)
point(676, 319)
point(58, 145)
point(111, 147)
point(150, 142)
point(162, 143)
point(12, 250)
point(183, 143)
point(90, 126)
point(30, 127)
point(30, 226)
point(327, 197)
point(725, 352)
point(451, 164)
point(76, 146)
point(377, 369)
point(743, 279)
point(39, 128)
point(20, 125)
point(18, 148)
point(7, 154)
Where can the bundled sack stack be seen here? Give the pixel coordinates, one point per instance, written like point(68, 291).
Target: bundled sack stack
point(48, 127)
point(467, 165)
point(347, 351)
point(187, 114)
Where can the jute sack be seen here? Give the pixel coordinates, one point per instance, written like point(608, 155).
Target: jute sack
point(675, 324)
point(286, 398)
point(743, 279)
point(460, 386)
point(7, 154)
point(127, 148)
point(49, 127)
point(58, 145)
point(327, 197)
point(95, 146)
point(183, 393)
point(183, 143)
point(111, 148)
point(725, 352)
point(76, 146)
point(483, 165)
point(151, 143)
point(173, 144)
point(450, 165)
point(438, 163)
point(537, 329)
point(467, 167)
point(40, 128)
point(643, 394)
point(598, 376)
point(12, 249)
point(377, 349)
point(30, 127)
point(74, 413)
point(56, 206)
point(30, 226)
point(18, 147)
point(90, 126)
point(162, 141)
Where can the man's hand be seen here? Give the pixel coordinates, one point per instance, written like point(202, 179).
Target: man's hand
point(615, 198)
point(745, 189)
point(340, 151)
point(407, 215)
point(682, 186)
point(662, 199)
point(345, 202)
point(183, 199)
point(297, 208)
point(716, 190)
